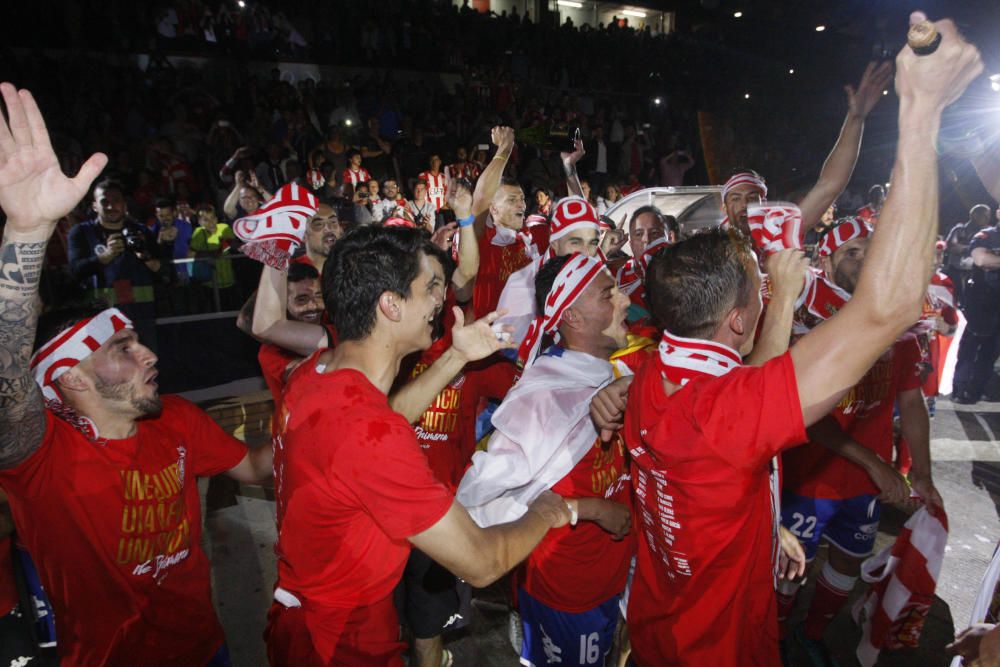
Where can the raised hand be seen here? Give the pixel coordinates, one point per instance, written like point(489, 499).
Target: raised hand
point(570, 159)
point(938, 79)
point(460, 201)
point(502, 137)
point(787, 271)
point(445, 236)
point(862, 100)
point(34, 192)
point(479, 340)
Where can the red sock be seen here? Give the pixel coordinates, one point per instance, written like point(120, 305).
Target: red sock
point(827, 600)
point(785, 604)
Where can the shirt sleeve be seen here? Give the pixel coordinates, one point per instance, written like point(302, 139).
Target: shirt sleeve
point(752, 414)
point(388, 474)
point(214, 450)
point(31, 477)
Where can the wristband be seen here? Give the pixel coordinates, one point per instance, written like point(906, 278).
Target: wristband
point(465, 222)
point(574, 516)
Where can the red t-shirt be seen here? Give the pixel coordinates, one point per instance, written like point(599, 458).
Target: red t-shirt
point(115, 531)
point(437, 188)
point(703, 591)
point(497, 263)
point(447, 429)
point(865, 414)
point(574, 569)
point(352, 177)
point(355, 487)
point(8, 587)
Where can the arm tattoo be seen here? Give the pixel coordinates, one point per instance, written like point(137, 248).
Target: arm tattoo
point(22, 412)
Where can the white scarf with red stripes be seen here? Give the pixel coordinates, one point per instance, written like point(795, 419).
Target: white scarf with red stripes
point(275, 230)
point(574, 278)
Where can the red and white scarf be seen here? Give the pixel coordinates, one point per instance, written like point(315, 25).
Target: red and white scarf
point(574, 278)
point(775, 227)
point(67, 350)
point(277, 228)
point(633, 272)
point(844, 230)
point(682, 359)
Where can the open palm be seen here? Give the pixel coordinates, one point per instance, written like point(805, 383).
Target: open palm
point(34, 193)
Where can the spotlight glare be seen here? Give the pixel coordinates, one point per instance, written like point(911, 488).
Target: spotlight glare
point(241, 4)
point(791, 71)
point(737, 15)
point(632, 12)
point(657, 101)
point(885, 92)
point(570, 3)
point(995, 85)
point(820, 28)
point(995, 77)
point(746, 96)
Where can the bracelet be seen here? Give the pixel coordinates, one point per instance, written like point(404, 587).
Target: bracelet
point(501, 157)
point(465, 222)
point(574, 516)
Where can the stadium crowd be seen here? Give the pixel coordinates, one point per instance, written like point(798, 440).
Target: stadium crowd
point(680, 411)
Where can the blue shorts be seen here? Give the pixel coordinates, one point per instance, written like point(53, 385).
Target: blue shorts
point(558, 637)
point(849, 524)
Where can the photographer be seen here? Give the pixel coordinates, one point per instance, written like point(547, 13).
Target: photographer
point(116, 259)
point(421, 209)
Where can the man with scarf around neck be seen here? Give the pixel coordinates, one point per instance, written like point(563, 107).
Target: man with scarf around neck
point(573, 580)
point(703, 429)
point(834, 485)
point(100, 470)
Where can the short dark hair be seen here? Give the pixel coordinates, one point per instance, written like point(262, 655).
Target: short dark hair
point(299, 271)
point(367, 262)
point(545, 278)
point(668, 222)
point(109, 184)
point(54, 322)
point(351, 153)
point(690, 285)
point(165, 202)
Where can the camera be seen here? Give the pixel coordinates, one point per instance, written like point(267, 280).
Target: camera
point(135, 242)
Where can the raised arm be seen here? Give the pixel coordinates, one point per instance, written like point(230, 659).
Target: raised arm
point(839, 165)
point(489, 180)
point(34, 194)
point(569, 161)
point(891, 289)
point(461, 202)
point(786, 270)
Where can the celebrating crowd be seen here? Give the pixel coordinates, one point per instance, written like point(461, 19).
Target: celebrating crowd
point(683, 414)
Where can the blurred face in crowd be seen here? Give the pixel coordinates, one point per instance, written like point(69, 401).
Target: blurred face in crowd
point(208, 220)
point(596, 321)
point(165, 215)
point(461, 154)
point(542, 198)
point(980, 215)
point(844, 266)
point(611, 193)
point(305, 301)
point(645, 229)
point(737, 201)
point(585, 186)
point(419, 191)
point(390, 189)
point(356, 160)
point(323, 230)
point(122, 372)
point(373, 189)
point(249, 199)
point(508, 207)
point(435, 163)
point(584, 241)
point(828, 217)
point(110, 206)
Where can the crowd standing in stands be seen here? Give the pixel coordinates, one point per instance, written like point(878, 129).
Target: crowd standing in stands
point(429, 244)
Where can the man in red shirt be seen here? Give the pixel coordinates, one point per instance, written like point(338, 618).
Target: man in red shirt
point(703, 429)
point(546, 439)
point(100, 470)
point(503, 246)
point(437, 185)
point(358, 492)
point(834, 484)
